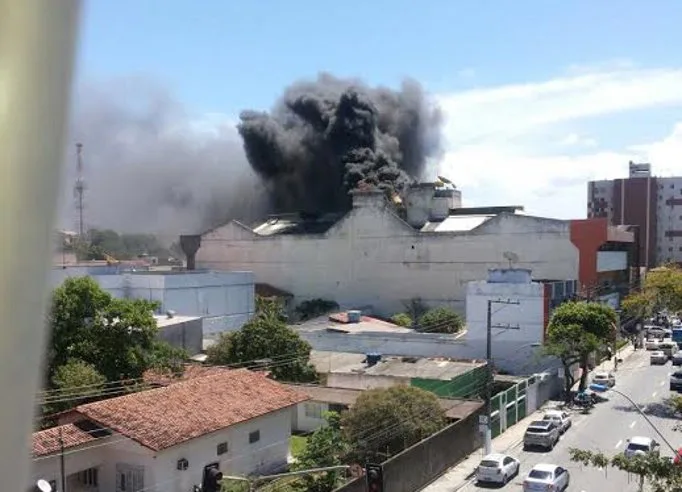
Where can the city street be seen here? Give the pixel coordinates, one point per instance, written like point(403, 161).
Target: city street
point(607, 427)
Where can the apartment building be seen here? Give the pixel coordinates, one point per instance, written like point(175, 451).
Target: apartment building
point(651, 204)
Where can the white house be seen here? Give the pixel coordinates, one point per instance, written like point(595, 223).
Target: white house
point(162, 439)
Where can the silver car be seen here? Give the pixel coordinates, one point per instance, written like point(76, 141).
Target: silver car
point(560, 418)
point(658, 357)
point(545, 478)
point(542, 434)
point(497, 468)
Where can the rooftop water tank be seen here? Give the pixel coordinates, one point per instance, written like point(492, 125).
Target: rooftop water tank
point(354, 316)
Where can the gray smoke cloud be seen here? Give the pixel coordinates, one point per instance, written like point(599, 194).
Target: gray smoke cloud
point(151, 166)
point(327, 136)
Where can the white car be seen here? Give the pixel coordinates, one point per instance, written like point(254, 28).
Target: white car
point(640, 446)
point(604, 378)
point(497, 468)
point(651, 344)
point(561, 419)
point(546, 478)
point(658, 357)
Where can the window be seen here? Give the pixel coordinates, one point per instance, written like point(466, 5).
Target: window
point(313, 410)
point(88, 477)
point(670, 250)
point(672, 186)
point(129, 478)
point(222, 448)
point(254, 436)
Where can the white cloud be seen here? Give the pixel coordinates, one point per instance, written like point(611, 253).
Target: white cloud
point(526, 143)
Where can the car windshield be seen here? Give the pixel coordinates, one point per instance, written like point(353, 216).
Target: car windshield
point(489, 464)
point(677, 374)
point(638, 447)
point(552, 417)
point(540, 474)
point(601, 376)
point(537, 430)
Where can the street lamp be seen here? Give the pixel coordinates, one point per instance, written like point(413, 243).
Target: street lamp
point(600, 388)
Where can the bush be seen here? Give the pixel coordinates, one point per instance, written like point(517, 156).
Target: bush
point(314, 308)
point(441, 320)
point(402, 319)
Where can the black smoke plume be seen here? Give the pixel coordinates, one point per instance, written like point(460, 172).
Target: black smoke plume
point(326, 137)
point(149, 167)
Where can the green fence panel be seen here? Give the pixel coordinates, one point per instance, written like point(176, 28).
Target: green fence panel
point(511, 414)
point(521, 405)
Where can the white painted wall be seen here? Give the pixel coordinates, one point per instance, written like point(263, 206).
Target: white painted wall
point(359, 381)
point(309, 416)
point(612, 261)
point(160, 469)
point(513, 356)
point(372, 257)
point(528, 314)
point(225, 300)
point(242, 458)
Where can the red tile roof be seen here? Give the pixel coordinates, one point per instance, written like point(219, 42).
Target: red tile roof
point(46, 441)
point(191, 371)
point(163, 417)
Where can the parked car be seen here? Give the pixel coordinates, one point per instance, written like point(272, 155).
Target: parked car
point(677, 358)
point(651, 344)
point(544, 477)
point(658, 357)
point(542, 434)
point(676, 381)
point(639, 446)
point(605, 378)
point(669, 348)
point(497, 468)
point(560, 418)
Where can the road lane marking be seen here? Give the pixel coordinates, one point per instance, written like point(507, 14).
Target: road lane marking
point(619, 443)
point(634, 422)
point(661, 383)
point(653, 395)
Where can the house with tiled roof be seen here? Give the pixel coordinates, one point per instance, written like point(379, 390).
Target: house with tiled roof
point(237, 420)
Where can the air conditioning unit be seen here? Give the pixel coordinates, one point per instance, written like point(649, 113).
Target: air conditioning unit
point(183, 464)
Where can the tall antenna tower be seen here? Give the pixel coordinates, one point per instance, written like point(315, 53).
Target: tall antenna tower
point(79, 190)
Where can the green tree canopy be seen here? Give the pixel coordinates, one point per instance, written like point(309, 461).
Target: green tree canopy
point(116, 337)
point(441, 320)
point(76, 382)
point(266, 337)
point(659, 471)
point(386, 421)
point(577, 329)
point(325, 447)
point(662, 289)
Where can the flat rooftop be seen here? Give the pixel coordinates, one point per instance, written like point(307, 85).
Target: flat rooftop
point(454, 409)
point(411, 367)
point(163, 321)
point(367, 324)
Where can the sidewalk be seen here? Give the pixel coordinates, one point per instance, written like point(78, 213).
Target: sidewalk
point(462, 473)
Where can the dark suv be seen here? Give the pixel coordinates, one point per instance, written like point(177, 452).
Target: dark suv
point(542, 434)
point(676, 381)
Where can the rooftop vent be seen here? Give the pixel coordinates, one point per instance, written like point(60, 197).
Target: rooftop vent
point(170, 314)
point(354, 316)
point(372, 359)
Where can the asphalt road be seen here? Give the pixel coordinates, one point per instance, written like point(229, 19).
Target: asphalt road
point(607, 427)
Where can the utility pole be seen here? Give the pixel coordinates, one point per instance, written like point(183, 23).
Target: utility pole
point(489, 365)
point(61, 460)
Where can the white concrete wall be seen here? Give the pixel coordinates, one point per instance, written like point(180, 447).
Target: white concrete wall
point(515, 357)
point(226, 300)
point(612, 261)
point(359, 381)
point(103, 455)
point(242, 458)
point(528, 314)
point(373, 258)
point(306, 423)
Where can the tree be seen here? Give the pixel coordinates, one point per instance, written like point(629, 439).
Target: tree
point(386, 421)
point(402, 319)
point(325, 447)
point(77, 382)
point(441, 320)
point(576, 330)
point(116, 337)
point(661, 473)
point(662, 289)
point(266, 337)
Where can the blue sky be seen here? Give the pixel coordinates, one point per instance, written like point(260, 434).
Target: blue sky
point(538, 92)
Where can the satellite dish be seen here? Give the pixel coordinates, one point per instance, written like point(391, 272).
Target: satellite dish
point(511, 257)
point(445, 180)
